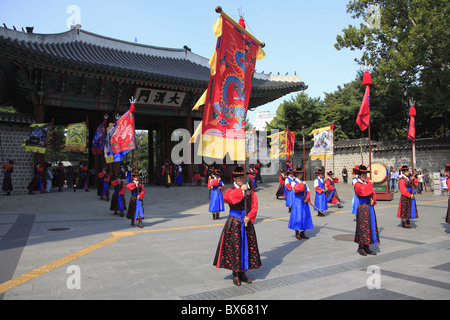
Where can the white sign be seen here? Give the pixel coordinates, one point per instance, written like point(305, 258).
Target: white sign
point(159, 97)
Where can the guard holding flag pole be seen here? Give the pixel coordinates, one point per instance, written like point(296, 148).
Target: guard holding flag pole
point(320, 200)
point(366, 232)
point(238, 247)
point(447, 217)
point(136, 205)
point(300, 219)
point(407, 208)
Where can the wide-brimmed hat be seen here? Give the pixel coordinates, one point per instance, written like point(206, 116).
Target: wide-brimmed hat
point(404, 168)
point(362, 169)
point(298, 170)
point(238, 172)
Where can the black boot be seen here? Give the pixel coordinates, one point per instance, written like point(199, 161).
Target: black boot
point(236, 280)
point(408, 223)
point(405, 225)
point(361, 251)
point(368, 251)
point(297, 235)
point(243, 277)
point(303, 235)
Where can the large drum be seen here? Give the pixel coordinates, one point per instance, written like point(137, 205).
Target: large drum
point(380, 179)
point(379, 172)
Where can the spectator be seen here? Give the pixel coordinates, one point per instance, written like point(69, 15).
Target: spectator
point(393, 179)
point(344, 174)
point(426, 180)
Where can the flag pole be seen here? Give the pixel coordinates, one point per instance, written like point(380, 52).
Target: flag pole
point(133, 101)
point(370, 154)
point(304, 169)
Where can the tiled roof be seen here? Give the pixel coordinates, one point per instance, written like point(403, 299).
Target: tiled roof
point(95, 53)
point(18, 118)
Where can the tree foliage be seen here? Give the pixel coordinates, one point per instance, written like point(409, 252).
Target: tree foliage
point(409, 51)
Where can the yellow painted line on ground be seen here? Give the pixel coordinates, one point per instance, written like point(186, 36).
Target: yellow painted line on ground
point(8, 285)
point(19, 280)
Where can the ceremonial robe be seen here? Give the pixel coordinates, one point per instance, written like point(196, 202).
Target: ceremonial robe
point(238, 248)
point(366, 222)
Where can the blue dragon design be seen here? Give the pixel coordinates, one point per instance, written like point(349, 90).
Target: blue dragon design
point(237, 112)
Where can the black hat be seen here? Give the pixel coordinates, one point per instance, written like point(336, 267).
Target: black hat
point(404, 168)
point(330, 173)
point(238, 172)
point(362, 169)
point(298, 170)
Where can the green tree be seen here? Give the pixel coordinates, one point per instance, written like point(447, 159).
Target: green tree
point(409, 50)
point(300, 111)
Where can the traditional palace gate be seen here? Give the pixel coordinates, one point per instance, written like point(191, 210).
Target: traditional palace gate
point(77, 75)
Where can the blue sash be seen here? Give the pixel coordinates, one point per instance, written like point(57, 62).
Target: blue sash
point(364, 200)
point(119, 198)
point(105, 190)
point(41, 184)
point(413, 203)
point(85, 184)
point(244, 248)
point(139, 210)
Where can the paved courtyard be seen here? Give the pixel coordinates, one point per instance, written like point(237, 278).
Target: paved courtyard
point(69, 246)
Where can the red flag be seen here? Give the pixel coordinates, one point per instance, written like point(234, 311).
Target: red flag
point(229, 89)
point(363, 117)
point(412, 124)
point(290, 141)
point(123, 139)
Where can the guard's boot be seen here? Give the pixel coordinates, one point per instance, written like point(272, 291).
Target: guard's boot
point(303, 235)
point(236, 280)
point(243, 277)
point(368, 251)
point(361, 251)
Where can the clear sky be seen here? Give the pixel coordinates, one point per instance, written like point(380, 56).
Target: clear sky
point(299, 34)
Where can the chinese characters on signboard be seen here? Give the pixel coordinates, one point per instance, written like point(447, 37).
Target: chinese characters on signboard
point(159, 97)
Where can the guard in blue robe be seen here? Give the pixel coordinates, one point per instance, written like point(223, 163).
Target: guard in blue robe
point(320, 200)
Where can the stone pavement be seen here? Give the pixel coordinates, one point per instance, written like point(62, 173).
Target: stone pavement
point(69, 246)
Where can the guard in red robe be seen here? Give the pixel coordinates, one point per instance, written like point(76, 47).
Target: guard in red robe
point(37, 183)
point(7, 181)
point(407, 208)
point(136, 205)
point(238, 247)
point(118, 198)
point(103, 183)
point(447, 217)
point(366, 232)
point(83, 181)
point(281, 192)
point(60, 176)
point(332, 195)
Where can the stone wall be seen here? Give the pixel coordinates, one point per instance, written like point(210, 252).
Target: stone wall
point(13, 130)
point(430, 154)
